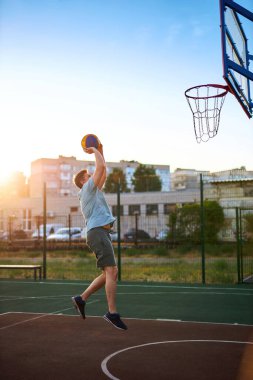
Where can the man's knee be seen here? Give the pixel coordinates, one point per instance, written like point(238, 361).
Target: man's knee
point(112, 272)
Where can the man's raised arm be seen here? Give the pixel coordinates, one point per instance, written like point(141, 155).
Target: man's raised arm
point(99, 176)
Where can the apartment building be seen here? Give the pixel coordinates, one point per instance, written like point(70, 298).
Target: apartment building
point(232, 174)
point(58, 173)
point(183, 179)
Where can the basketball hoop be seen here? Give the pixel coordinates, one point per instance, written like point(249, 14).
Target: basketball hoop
point(205, 102)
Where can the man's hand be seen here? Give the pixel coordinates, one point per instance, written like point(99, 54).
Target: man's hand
point(90, 150)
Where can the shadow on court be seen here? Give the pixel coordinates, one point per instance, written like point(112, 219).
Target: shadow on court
point(43, 338)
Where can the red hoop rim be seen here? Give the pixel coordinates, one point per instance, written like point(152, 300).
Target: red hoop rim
point(225, 88)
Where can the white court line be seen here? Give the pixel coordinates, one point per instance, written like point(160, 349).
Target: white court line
point(206, 287)
point(106, 360)
point(33, 319)
point(138, 319)
point(11, 298)
point(178, 292)
point(40, 316)
point(206, 323)
point(14, 298)
point(200, 287)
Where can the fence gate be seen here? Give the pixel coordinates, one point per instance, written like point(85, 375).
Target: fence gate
point(244, 217)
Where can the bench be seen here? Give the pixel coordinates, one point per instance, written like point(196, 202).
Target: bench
point(34, 267)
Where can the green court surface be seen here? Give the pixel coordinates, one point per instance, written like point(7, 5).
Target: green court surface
point(213, 304)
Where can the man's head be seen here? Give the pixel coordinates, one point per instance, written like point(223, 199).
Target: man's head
point(81, 177)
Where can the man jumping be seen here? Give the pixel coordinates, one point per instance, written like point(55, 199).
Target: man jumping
point(99, 220)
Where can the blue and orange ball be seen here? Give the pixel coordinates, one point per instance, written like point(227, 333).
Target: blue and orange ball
point(89, 141)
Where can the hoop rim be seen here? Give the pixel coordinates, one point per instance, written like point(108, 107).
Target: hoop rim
point(224, 87)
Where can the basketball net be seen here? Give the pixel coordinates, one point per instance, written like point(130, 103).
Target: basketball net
point(206, 102)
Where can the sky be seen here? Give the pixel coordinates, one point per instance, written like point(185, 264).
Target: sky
point(117, 69)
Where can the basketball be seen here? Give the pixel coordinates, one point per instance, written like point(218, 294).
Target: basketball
point(89, 141)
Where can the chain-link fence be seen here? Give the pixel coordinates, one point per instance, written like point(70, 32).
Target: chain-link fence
point(227, 243)
point(208, 240)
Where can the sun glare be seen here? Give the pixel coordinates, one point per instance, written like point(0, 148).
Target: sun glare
point(5, 176)
point(17, 160)
point(8, 169)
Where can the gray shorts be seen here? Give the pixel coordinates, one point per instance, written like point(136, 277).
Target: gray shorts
point(99, 241)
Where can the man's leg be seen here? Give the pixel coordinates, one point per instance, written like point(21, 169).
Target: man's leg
point(110, 288)
point(80, 301)
point(96, 284)
point(111, 275)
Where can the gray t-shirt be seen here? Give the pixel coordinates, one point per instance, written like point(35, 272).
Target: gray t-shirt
point(94, 207)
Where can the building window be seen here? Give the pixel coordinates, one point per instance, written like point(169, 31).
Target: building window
point(73, 209)
point(115, 210)
point(65, 176)
point(134, 209)
point(152, 209)
point(52, 185)
point(65, 167)
point(48, 167)
point(248, 191)
point(91, 168)
point(64, 192)
point(168, 208)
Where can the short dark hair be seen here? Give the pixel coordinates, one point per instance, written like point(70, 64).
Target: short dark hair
point(77, 178)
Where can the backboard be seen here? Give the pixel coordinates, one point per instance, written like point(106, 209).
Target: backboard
point(237, 39)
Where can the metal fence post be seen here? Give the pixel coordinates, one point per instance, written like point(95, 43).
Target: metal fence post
point(238, 248)
point(69, 226)
point(202, 230)
point(119, 232)
point(136, 227)
point(44, 231)
point(241, 243)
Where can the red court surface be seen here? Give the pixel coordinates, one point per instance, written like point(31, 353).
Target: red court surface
point(46, 346)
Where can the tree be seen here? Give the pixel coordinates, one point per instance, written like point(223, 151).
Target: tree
point(146, 179)
point(185, 222)
point(111, 185)
point(214, 220)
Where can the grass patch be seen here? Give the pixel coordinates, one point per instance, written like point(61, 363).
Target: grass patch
point(222, 272)
point(159, 264)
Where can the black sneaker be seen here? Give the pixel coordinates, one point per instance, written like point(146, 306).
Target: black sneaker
point(114, 319)
point(79, 304)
